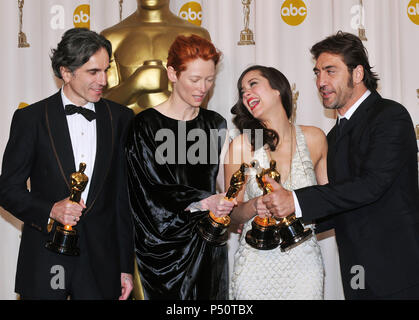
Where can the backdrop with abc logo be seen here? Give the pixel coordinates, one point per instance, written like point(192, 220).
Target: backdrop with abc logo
point(284, 30)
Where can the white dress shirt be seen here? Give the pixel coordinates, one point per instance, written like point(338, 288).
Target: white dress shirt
point(83, 140)
point(348, 114)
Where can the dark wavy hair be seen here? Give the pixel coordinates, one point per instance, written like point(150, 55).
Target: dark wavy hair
point(76, 47)
point(243, 119)
point(353, 52)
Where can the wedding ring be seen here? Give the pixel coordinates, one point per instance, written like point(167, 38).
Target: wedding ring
point(75, 219)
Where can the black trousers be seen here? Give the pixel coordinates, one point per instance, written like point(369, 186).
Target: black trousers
point(411, 293)
point(71, 280)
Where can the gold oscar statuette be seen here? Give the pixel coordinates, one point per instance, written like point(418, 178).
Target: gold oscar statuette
point(65, 237)
point(291, 230)
point(361, 28)
point(264, 232)
point(214, 229)
point(22, 41)
point(246, 35)
point(121, 4)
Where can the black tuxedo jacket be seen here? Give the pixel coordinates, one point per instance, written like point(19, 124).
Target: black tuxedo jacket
point(372, 198)
point(40, 148)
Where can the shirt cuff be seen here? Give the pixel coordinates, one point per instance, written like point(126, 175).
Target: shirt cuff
point(194, 207)
point(297, 207)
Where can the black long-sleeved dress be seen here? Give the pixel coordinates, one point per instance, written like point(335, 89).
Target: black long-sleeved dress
point(172, 164)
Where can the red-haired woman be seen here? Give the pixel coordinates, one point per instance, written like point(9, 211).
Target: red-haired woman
point(173, 153)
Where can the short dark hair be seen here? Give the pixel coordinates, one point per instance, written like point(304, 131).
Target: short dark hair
point(76, 47)
point(353, 52)
point(244, 119)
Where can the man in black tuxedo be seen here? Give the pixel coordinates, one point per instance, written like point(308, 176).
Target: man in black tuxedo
point(47, 142)
point(372, 198)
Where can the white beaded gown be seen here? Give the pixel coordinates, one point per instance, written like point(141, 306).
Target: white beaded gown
point(297, 274)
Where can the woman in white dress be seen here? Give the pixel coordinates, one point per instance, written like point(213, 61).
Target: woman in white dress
point(265, 103)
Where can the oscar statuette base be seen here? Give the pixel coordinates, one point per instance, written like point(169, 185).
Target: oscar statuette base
point(262, 237)
point(213, 232)
point(64, 242)
point(246, 38)
point(293, 234)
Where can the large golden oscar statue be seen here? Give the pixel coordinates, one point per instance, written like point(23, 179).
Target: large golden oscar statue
point(137, 77)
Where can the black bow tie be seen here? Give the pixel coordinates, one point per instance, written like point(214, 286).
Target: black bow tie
point(72, 109)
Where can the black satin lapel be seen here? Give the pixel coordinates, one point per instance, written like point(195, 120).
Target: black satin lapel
point(104, 149)
point(60, 136)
